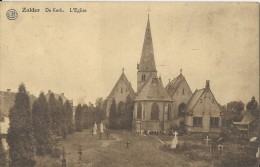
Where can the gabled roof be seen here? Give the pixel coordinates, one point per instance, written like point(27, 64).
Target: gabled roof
point(57, 96)
point(247, 119)
point(173, 85)
point(7, 99)
point(194, 99)
point(153, 90)
point(147, 62)
point(128, 84)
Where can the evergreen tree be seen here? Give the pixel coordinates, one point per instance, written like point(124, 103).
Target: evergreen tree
point(69, 115)
point(55, 114)
point(100, 114)
point(42, 126)
point(79, 118)
point(128, 114)
point(2, 154)
point(63, 114)
point(113, 115)
point(252, 106)
point(20, 137)
point(87, 115)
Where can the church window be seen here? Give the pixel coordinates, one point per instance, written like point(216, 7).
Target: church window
point(169, 114)
point(139, 111)
point(181, 110)
point(182, 91)
point(197, 121)
point(214, 122)
point(143, 77)
point(200, 100)
point(155, 112)
point(121, 90)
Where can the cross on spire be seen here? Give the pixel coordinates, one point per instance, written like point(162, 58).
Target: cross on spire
point(181, 70)
point(148, 10)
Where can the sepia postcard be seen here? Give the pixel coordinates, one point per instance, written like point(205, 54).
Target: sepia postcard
point(129, 84)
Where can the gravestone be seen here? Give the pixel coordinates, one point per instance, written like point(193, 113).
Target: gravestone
point(174, 140)
point(258, 153)
point(101, 127)
point(95, 129)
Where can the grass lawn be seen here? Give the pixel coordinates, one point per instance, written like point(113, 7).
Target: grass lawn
point(143, 151)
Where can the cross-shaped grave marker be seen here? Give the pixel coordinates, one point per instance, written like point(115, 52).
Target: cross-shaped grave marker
point(175, 134)
point(107, 133)
point(127, 143)
point(100, 136)
point(220, 148)
point(207, 140)
point(80, 152)
point(63, 160)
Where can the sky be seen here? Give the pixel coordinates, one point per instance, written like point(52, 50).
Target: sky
point(82, 54)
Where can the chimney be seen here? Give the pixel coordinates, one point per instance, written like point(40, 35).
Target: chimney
point(49, 91)
point(62, 94)
point(207, 84)
point(28, 92)
point(8, 90)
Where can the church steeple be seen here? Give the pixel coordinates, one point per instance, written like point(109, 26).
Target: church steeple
point(147, 62)
point(146, 67)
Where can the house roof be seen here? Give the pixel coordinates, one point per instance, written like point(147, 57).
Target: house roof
point(153, 90)
point(194, 99)
point(128, 84)
point(147, 62)
point(247, 119)
point(7, 99)
point(57, 96)
point(173, 85)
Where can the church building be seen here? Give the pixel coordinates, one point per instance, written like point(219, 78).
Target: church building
point(158, 108)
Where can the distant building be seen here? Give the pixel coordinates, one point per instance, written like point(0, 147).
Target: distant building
point(157, 108)
point(7, 101)
point(203, 113)
point(247, 126)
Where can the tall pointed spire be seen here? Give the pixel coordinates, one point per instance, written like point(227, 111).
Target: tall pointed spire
point(147, 62)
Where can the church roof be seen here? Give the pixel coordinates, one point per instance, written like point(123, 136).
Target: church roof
point(128, 84)
point(153, 90)
point(147, 62)
point(173, 85)
point(194, 99)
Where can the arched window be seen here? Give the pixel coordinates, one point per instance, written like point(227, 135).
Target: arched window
point(139, 111)
point(181, 109)
point(143, 77)
point(155, 112)
point(169, 114)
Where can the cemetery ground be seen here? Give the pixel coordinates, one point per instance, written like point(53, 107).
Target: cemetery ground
point(142, 151)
